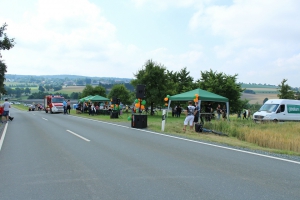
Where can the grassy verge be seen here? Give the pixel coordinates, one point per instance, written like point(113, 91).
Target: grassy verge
point(282, 138)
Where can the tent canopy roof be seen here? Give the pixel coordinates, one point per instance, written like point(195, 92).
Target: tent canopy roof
point(203, 96)
point(85, 98)
point(98, 98)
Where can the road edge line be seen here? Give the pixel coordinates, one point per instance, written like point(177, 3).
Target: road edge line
point(3, 135)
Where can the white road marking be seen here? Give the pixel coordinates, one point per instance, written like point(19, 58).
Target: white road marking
point(194, 141)
point(44, 119)
point(3, 135)
point(79, 136)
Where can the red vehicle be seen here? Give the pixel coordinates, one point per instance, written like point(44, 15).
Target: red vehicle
point(54, 104)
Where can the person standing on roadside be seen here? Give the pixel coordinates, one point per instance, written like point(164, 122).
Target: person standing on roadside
point(178, 111)
point(65, 107)
point(189, 119)
point(219, 111)
point(68, 107)
point(224, 113)
point(197, 112)
point(6, 106)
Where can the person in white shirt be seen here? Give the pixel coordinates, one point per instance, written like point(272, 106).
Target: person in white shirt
point(6, 107)
point(189, 119)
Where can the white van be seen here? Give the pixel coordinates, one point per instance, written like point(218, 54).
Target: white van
point(278, 110)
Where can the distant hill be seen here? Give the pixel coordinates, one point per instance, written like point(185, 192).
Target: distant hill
point(256, 93)
point(258, 98)
point(244, 85)
point(63, 76)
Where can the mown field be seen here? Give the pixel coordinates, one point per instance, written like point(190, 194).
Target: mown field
point(69, 89)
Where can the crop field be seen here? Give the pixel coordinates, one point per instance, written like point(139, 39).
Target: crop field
point(258, 97)
point(264, 89)
point(69, 89)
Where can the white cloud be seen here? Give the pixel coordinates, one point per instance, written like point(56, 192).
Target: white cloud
point(255, 39)
point(70, 37)
point(252, 34)
point(160, 5)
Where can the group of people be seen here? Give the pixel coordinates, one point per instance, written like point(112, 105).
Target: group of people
point(67, 106)
point(176, 111)
point(92, 107)
point(221, 112)
point(4, 111)
point(193, 114)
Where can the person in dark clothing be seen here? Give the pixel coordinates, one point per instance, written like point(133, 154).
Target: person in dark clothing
point(68, 107)
point(90, 108)
point(178, 110)
point(208, 110)
point(173, 111)
point(197, 111)
point(224, 113)
point(244, 114)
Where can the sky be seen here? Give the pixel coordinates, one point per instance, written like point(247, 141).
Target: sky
point(257, 40)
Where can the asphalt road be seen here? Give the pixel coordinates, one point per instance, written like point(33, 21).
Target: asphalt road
point(56, 156)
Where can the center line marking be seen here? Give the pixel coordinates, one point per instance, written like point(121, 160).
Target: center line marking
point(79, 136)
point(44, 119)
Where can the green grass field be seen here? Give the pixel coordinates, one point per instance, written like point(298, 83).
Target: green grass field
point(70, 89)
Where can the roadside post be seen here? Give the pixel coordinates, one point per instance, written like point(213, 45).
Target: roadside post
point(163, 122)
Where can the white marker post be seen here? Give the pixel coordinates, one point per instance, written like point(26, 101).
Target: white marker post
point(163, 122)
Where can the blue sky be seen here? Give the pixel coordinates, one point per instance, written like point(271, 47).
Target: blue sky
point(258, 40)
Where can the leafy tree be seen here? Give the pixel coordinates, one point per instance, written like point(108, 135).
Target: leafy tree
point(2, 77)
point(99, 90)
point(27, 91)
point(297, 95)
point(285, 91)
point(18, 92)
point(185, 81)
point(120, 91)
point(155, 78)
point(37, 95)
point(88, 90)
point(57, 87)
point(5, 42)
point(41, 88)
point(75, 95)
point(224, 85)
point(47, 87)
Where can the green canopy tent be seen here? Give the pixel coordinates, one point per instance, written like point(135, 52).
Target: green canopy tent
point(85, 98)
point(203, 96)
point(98, 98)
